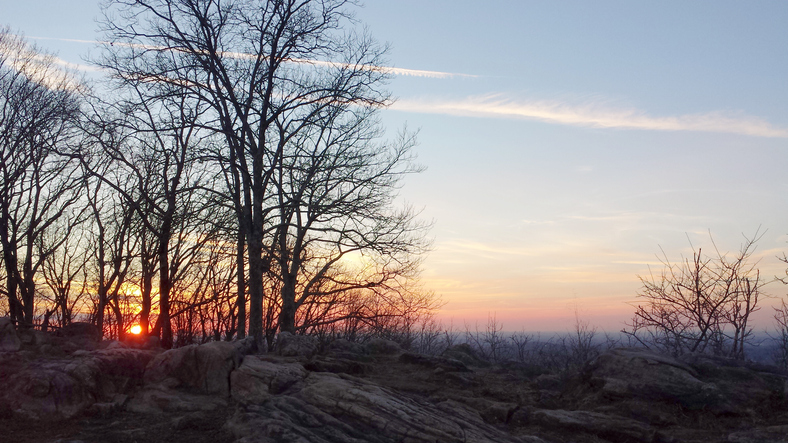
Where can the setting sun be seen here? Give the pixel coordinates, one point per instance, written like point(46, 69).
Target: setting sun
point(136, 329)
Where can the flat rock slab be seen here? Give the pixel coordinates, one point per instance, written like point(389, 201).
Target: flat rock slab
point(769, 434)
point(338, 408)
point(610, 427)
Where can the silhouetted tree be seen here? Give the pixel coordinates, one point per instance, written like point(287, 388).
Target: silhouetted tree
point(159, 179)
point(334, 219)
point(702, 304)
point(267, 69)
point(39, 107)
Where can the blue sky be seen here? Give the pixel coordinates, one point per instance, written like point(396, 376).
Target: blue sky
point(566, 142)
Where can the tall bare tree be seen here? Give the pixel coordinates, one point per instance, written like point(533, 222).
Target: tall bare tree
point(255, 63)
point(65, 272)
point(158, 156)
point(39, 106)
point(335, 188)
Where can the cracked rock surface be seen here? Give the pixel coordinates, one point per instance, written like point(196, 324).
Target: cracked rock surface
point(67, 390)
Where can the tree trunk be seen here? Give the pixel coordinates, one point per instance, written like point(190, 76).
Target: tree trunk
point(28, 289)
point(255, 248)
point(256, 288)
point(147, 288)
point(10, 262)
point(241, 282)
point(164, 290)
point(118, 316)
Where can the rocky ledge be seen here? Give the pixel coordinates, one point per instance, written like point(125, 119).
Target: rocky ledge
point(376, 392)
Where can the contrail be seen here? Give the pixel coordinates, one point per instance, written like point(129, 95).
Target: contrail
point(387, 69)
point(591, 115)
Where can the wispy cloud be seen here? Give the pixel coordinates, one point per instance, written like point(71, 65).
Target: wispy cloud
point(242, 55)
point(75, 66)
point(42, 68)
point(592, 114)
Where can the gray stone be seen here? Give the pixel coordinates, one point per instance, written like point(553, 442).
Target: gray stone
point(606, 426)
point(342, 345)
point(629, 373)
point(494, 412)
point(768, 434)
point(256, 380)
point(157, 399)
point(248, 345)
point(382, 346)
point(9, 341)
point(465, 354)
point(621, 375)
point(289, 345)
point(82, 330)
point(443, 363)
point(65, 388)
point(203, 368)
point(340, 408)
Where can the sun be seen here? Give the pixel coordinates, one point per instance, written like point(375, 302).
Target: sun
point(136, 329)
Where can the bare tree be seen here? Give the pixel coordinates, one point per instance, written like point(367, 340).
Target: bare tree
point(781, 335)
point(702, 304)
point(255, 63)
point(65, 273)
point(38, 108)
point(489, 342)
point(334, 189)
point(157, 155)
point(114, 245)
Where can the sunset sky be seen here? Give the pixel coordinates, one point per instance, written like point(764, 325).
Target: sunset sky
point(566, 142)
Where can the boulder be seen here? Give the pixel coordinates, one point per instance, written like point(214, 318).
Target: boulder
point(625, 375)
point(203, 368)
point(465, 354)
point(79, 335)
point(248, 345)
point(338, 366)
point(84, 330)
point(745, 386)
point(53, 389)
point(32, 338)
point(9, 341)
point(634, 373)
point(289, 345)
point(493, 412)
point(382, 346)
point(257, 380)
point(343, 346)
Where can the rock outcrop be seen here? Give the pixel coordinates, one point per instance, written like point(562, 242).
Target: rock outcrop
point(376, 392)
point(289, 345)
point(204, 369)
point(341, 408)
point(63, 388)
point(696, 383)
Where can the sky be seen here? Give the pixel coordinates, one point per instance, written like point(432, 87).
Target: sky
point(568, 143)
